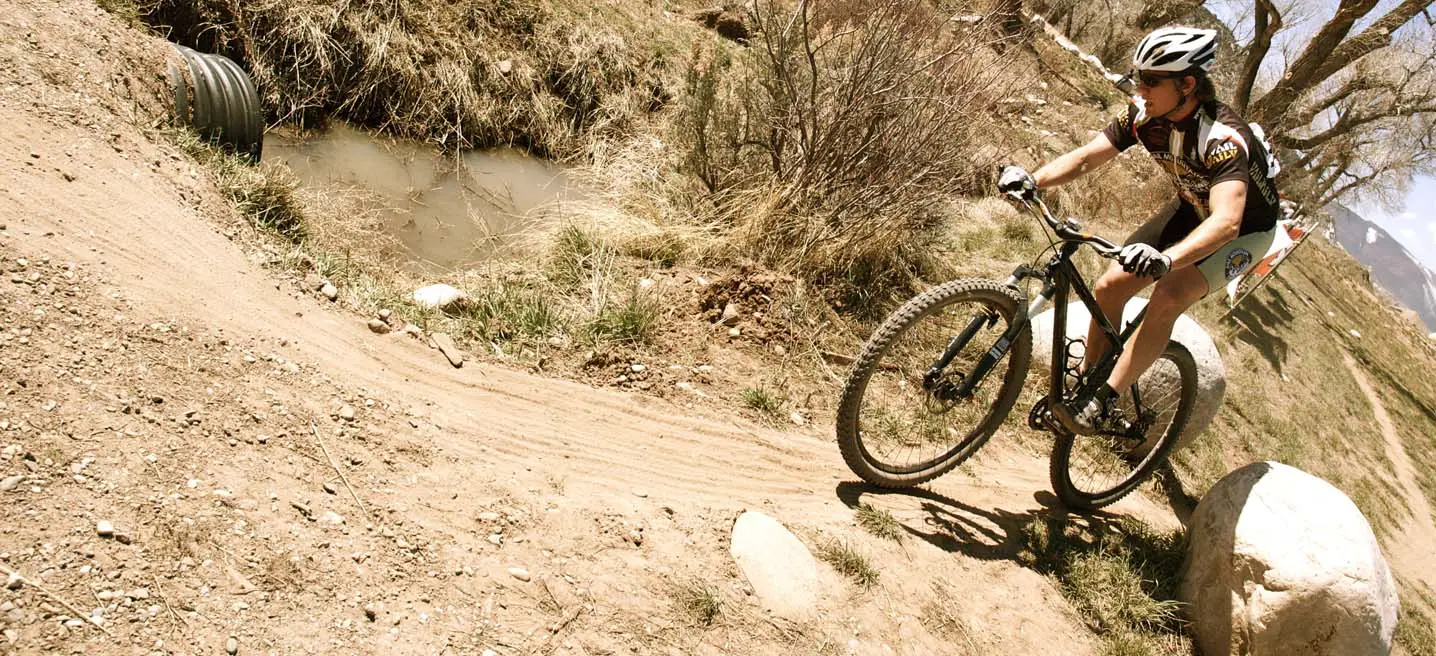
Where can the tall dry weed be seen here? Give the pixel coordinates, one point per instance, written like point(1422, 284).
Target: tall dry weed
point(832, 144)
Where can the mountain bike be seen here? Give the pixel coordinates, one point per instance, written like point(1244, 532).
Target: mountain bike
point(942, 372)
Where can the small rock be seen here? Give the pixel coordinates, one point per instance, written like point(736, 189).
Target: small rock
point(488, 516)
point(231, 646)
point(330, 291)
point(506, 66)
point(735, 332)
point(638, 368)
point(798, 418)
point(331, 517)
point(385, 314)
point(519, 573)
point(438, 296)
point(1356, 333)
point(636, 537)
point(15, 582)
point(329, 487)
point(105, 529)
point(347, 413)
point(445, 344)
point(123, 538)
point(640, 494)
point(290, 367)
point(496, 539)
point(370, 613)
point(730, 314)
point(379, 327)
point(487, 652)
point(779, 350)
point(12, 636)
point(10, 482)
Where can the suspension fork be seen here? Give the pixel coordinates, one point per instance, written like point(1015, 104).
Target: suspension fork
point(984, 365)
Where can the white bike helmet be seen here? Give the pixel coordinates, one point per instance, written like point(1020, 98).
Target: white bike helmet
point(1176, 49)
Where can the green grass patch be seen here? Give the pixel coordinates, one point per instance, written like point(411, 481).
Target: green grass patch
point(766, 402)
point(632, 320)
point(1121, 576)
point(512, 312)
point(265, 195)
point(849, 562)
point(878, 522)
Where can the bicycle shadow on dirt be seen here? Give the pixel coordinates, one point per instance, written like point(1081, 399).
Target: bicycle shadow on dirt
point(980, 533)
point(1260, 319)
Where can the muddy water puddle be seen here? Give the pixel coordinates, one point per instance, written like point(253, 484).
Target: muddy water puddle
point(448, 210)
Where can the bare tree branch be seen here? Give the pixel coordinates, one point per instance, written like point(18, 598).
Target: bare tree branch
point(1331, 51)
point(1268, 23)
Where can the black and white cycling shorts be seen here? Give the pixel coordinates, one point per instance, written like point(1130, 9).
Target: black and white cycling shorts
point(1238, 256)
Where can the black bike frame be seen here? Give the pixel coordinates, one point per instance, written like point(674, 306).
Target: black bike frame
point(1061, 278)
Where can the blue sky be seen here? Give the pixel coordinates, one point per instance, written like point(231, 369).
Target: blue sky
point(1415, 224)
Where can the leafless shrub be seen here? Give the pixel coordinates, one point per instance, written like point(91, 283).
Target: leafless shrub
point(835, 140)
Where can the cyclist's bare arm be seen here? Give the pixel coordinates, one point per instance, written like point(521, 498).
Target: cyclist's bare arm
point(1077, 163)
point(1228, 201)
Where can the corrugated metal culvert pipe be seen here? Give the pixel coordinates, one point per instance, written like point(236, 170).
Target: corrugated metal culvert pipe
point(217, 98)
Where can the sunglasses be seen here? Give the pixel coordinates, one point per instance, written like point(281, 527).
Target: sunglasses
point(1143, 78)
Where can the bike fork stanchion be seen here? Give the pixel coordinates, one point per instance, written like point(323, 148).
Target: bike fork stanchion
point(955, 346)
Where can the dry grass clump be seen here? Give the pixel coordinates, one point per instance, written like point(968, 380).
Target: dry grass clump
point(849, 562)
point(879, 522)
point(832, 145)
point(698, 601)
point(541, 74)
point(263, 195)
point(1121, 576)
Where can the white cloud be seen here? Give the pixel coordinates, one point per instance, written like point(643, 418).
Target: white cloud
point(1406, 216)
point(1371, 235)
point(1408, 236)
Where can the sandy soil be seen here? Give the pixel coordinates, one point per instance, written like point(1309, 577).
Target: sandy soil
point(276, 478)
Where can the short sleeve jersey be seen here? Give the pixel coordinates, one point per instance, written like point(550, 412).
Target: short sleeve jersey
point(1212, 145)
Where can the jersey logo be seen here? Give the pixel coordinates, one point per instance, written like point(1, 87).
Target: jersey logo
point(1237, 262)
point(1223, 152)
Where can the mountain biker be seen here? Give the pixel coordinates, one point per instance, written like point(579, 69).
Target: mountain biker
point(1222, 223)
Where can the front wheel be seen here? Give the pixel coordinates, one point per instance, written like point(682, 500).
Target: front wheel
point(913, 408)
point(1089, 472)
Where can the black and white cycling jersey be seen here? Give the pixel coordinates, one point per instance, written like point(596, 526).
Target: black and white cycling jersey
point(1212, 145)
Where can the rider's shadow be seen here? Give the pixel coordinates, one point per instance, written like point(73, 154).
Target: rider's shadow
point(1261, 319)
point(981, 533)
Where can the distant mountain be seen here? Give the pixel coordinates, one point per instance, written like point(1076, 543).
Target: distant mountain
point(1393, 267)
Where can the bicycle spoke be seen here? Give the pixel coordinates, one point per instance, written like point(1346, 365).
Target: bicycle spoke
point(1100, 464)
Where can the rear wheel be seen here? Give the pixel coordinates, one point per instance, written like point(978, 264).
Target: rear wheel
point(1093, 471)
point(899, 424)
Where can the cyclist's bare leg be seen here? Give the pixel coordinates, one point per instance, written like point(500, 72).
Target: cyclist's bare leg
point(1176, 292)
point(1112, 292)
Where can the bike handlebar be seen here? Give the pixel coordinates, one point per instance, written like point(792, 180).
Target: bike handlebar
point(1070, 230)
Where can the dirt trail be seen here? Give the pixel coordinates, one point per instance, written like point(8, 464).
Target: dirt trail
point(87, 185)
point(1413, 548)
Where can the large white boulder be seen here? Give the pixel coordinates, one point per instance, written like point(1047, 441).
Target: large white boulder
point(780, 568)
point(1211, 375)
point(1281, 562)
